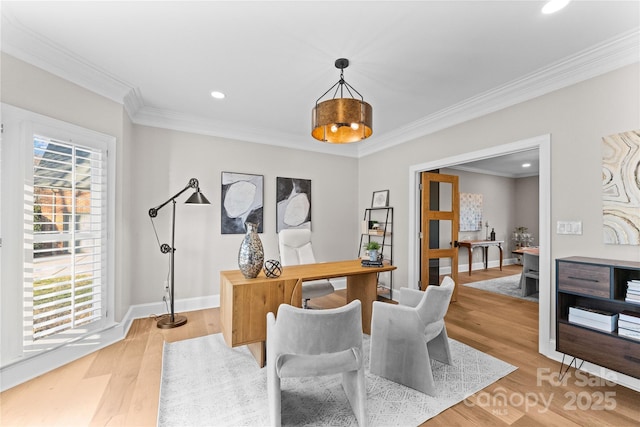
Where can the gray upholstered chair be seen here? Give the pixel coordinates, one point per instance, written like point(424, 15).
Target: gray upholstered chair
point(295, 248)
point(306, 343)
point(530, 274)
point(405, 337)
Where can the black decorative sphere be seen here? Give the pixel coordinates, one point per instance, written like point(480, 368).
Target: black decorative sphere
point(272, 268)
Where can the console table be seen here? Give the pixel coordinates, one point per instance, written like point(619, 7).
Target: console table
point(484, 244)
point(244, 303)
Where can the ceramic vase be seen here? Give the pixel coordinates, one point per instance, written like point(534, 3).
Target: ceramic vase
point(251, 254)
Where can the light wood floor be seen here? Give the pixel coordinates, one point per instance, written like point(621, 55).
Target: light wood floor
point(119, 385)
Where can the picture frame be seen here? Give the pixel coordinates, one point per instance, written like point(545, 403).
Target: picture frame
point(293, 203)
point(241, 201)
point(380, 199)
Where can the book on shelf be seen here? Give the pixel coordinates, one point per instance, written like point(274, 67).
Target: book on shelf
point(628, 325)
point(629, 316)
point(602, 326)
point(632, 296)
point(633, 286)
point(369, 263)
point(592, 313)
point(597, 319)
point(629, 333)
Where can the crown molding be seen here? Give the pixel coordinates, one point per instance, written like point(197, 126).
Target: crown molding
point(154, 117)
point(599, 59)
point(29, 46)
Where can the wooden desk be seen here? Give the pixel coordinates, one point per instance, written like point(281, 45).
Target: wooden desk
point(244, 303)
point(484, 244)
point(521, 251)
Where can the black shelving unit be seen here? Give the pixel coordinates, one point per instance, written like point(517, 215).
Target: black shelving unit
point(383, 234)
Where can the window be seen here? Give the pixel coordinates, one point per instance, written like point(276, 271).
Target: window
point(57, 222)
point(69, 233)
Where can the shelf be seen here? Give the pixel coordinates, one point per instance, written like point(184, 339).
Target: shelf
point(383, 235)
point(599, 284)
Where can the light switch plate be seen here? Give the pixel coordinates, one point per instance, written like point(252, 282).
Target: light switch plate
point(569, 227)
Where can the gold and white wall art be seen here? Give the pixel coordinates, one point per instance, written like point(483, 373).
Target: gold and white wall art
point(621, 188)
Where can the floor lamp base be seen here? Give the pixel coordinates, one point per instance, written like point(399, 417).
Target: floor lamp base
point(166, 323)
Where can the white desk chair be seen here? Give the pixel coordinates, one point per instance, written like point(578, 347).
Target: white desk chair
point(295, 249)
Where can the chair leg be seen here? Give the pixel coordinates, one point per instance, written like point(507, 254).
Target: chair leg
point(439, 347)
point(403, 361)
point(354, 387)
point(275, 398)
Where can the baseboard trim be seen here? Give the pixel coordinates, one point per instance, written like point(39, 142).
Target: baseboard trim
point(22, 370)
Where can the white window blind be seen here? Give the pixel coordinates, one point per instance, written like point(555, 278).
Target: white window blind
point(66, 250)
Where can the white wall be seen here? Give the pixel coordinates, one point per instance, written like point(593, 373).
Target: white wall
point(577, 117)
point(153, 164)
point(498, 207)
point(164, 161)
point(526, 206)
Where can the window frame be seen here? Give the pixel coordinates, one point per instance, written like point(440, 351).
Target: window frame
point(21, 126)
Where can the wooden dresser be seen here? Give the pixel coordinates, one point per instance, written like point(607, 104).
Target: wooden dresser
point(597, 284)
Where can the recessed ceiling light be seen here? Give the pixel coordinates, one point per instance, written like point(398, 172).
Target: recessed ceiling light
point(526, 165)
point(554, 5)
point(217, 95)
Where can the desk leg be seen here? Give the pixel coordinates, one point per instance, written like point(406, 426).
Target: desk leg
point(364, 288)
point(485, 249)
point(470, 253)
point(259, 352)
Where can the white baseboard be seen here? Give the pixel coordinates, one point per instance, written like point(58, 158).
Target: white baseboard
point(22, 370)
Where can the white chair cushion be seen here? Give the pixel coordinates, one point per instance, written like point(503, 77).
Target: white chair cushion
point(316, 288)
point(304, 365)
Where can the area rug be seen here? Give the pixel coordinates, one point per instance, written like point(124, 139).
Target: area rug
point(206, 383)
point(508, 285)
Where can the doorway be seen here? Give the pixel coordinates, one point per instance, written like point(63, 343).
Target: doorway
point(543, 145)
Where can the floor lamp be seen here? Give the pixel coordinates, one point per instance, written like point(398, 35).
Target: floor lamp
point(198, 198)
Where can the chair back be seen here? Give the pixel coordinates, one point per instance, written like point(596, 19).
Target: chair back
point(295, 247)
point(435, 302)
point(310, 332)
point(531, 262)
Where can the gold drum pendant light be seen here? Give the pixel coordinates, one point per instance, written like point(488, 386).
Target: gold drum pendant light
point(342, 120)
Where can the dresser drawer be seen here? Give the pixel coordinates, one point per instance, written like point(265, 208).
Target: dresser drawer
point(584, 279)
point(612, 352)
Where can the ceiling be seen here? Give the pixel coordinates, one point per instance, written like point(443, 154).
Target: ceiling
point(422, 65)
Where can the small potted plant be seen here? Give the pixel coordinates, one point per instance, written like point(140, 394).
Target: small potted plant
point(372, 248)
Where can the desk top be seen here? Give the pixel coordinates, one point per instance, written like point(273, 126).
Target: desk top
point(521, 251)
point(471, 243)
point(306, 272)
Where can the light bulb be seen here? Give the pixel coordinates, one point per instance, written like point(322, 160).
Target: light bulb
point(355, 126)
point(334, 128)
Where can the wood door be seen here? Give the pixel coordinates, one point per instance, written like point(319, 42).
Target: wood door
point(439, 205)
